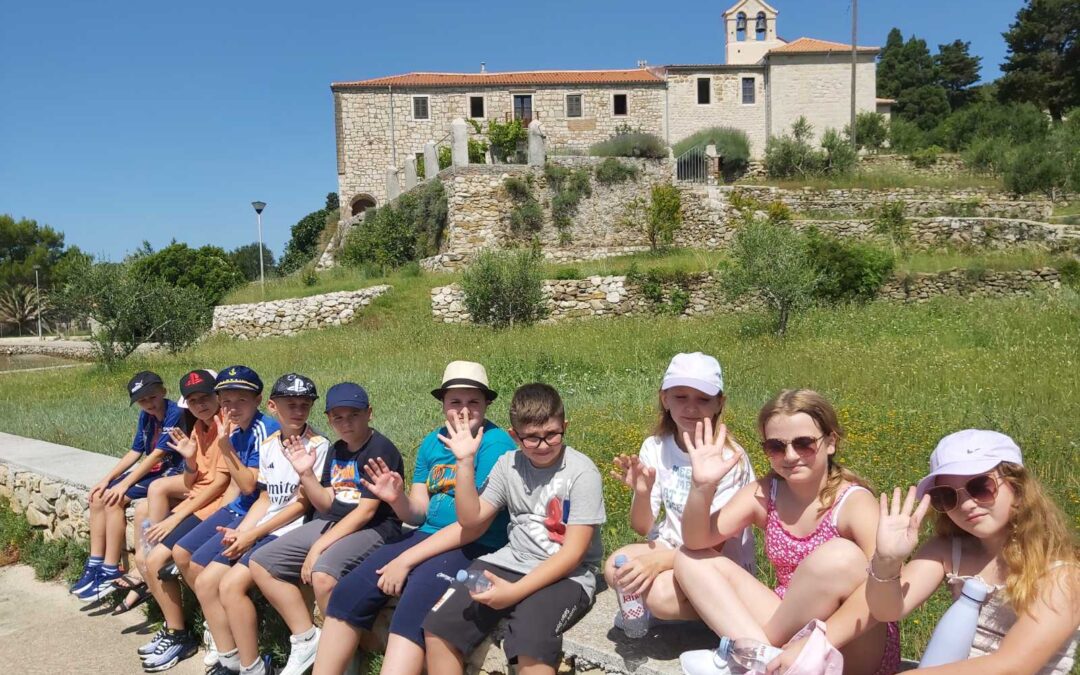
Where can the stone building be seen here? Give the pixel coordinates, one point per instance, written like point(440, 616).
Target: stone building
point(765, 84)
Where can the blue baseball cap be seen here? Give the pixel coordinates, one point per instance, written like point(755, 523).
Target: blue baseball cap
point(347, 395)
point(238, 377)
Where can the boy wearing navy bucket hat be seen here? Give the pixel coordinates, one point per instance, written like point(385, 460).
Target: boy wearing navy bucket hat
point(350, 521)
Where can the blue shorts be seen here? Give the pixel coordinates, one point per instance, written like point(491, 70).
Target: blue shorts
point(203, 534)
point(357, 600)
point(246, 557)
point(186, 525)
point(140, 489)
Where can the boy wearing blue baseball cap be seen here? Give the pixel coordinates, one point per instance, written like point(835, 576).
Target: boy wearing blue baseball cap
point(242, 428)
point(350, 521)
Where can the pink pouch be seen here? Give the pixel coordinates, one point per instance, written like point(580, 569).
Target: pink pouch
point(818, 656)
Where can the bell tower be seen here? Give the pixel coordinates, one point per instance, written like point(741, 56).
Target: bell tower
point(749, 31)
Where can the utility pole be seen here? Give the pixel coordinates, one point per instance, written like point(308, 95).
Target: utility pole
point(854, 61)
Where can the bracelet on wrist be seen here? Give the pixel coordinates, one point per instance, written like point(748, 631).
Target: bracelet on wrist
point(883, 580)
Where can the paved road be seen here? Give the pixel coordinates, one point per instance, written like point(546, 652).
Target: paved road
point(43, 629)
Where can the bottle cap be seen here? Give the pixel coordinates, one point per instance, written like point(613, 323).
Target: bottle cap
point(620, 560)
point(975, 589)
point(724, 649)
point(462, 576)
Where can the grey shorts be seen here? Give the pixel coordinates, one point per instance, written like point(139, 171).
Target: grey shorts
point(284, 557)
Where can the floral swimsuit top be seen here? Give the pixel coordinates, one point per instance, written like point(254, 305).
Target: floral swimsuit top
point(996, 617)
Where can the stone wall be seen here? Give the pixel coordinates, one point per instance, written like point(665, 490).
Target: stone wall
point(918, 201)
point(57, 508)
point(818, 87)
point(596, 297)
point(947, 164)
point(288, 317)
point(725, 107)
point(974, 233)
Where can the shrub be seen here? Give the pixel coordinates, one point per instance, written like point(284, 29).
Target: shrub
point(840, 157)
point(445, 156)
point(925, 157)
point(664, 215)
point(732, 145)
point(891, 221)
point(1037, 167)
point(209, 269)
point(772, 262)
point(304, 242)
point(848, 271)
point(407, 229)
point(566, 273)
point(792, 156)
point(989, 155)
point(612, 171)
point(504, 138)
point(503, 289)
point(1069, 269)
point(1012, 122)
point(519, 189)
point(625, 143)
point(871, 130)
point(308, 276)
point(905, 136)
point(570, 187)
point(526, 218)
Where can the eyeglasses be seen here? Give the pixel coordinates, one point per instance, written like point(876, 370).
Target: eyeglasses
point(533, 442)
point(983, 489)
point(803, 445)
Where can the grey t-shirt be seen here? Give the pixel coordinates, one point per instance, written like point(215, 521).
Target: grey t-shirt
point(541, 503)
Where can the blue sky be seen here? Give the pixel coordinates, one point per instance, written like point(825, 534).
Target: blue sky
point(124, 121)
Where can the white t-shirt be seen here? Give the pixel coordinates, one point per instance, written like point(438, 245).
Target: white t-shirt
point(672, 487)
point(280, 480)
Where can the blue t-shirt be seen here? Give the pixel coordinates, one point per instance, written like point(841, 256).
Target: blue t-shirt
point(437, 467)
point(246, 444)
point(152, 434)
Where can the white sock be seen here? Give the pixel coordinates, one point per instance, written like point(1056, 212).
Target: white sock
point(256, 668)
point(305, 636)
point(230, 660)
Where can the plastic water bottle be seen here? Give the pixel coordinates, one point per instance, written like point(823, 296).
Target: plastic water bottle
point(474, 580)
point(635, 615)
point(748, 653)
point(143, 527)
point(955, 631)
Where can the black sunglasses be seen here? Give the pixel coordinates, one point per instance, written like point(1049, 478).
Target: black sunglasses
point(983, 489)
point(803, 445)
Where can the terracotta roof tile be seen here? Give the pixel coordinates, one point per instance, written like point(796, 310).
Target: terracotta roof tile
point(535, 77)
point(805, 45)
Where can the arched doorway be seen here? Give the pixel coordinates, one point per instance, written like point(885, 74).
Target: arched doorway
point(361, 203)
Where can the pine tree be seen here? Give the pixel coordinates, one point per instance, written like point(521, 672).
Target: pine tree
point(957, 70)
point(1043, 65)
point(888, 60)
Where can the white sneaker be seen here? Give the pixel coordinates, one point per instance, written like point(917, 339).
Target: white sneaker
point(212, 655)
point(703, 662)
point(301, 654)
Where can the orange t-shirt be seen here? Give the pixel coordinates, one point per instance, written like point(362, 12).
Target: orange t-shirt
point(207, 465)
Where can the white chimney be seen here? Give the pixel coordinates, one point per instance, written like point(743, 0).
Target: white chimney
point(483, 67)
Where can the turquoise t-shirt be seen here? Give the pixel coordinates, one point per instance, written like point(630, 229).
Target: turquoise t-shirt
point(437, 467)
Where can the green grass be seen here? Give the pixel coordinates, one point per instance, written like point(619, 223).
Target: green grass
point(1066, 214)
point(19, 543)
point(883, 179)
point(336, 279)
point(900, 376)
point(1001, 261)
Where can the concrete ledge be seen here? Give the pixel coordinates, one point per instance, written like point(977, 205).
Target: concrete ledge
point(72, 466)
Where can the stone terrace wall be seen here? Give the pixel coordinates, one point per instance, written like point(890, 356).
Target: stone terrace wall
point(288, 317)
point(596, 297)
point(918, 201)
point(979, 233)
point(58, 509)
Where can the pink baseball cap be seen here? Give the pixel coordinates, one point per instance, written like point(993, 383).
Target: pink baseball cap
point(969, 453)
point(697, 370)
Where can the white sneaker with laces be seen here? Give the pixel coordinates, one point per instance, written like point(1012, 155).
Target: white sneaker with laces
point(704, 662)
point(301, 654)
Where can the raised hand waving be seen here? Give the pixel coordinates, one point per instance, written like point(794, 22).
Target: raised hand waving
point(461, 441)
point(898, 525)
point(710, 460)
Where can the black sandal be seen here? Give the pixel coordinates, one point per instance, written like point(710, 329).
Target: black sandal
point(142, 594)
point(129, 583)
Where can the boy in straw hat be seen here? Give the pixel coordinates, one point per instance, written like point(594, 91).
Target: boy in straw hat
point(418, 568)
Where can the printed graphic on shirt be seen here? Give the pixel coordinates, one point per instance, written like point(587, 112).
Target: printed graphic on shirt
point(345, 481)
point(442, 479)
point(547, 522)
point(676, 489)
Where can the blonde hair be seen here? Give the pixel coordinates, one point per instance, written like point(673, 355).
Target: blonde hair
point(794, 401)
point(1038, 536)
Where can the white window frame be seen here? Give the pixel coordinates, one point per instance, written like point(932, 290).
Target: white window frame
point(412, 110)
point(697, 83)
point(742, 85)
point(566, 105)
point(468, 106)
point(620, 93)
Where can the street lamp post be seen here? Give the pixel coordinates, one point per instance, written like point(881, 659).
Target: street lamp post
point(259, 206)
point(37, 282)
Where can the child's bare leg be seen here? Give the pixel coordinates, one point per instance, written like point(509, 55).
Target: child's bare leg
point(443, 659)
point(730, 601)
point(823, 580)
point(527, 665)
point(323, 585)
point(97, 526)
point(115, 530)
point(206, 588)
point(161, 495)
point(243, 619)
point(167, 593)
point(286, 598)
point(664, 598)
point(402, 657)
point(337, 645)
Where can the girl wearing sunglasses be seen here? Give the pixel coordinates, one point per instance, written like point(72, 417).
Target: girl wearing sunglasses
point(993, 521)
point(819, 522)
point(692, 391)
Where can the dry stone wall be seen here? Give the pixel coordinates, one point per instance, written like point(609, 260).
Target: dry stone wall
point(700, 294)
point(288, 317)
point(57, 508)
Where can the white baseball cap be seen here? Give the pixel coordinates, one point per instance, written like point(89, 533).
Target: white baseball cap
point(697, 370)
point(969, 453)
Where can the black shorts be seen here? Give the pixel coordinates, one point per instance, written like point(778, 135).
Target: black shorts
point(534, 626)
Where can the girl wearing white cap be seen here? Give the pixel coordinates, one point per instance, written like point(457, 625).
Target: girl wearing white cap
point(692, 391)
point(993, 522)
